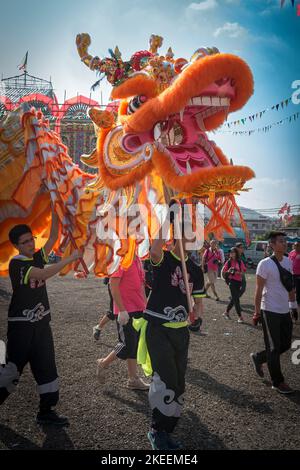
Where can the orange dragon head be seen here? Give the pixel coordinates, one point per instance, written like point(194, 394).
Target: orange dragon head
point(166, 107)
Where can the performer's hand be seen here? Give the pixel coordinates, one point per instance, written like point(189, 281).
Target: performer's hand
point(123, 317)
point(256, 318)
point(80, 275)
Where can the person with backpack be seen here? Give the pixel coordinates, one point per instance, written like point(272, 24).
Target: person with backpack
point(232, 273)
point(274, 299)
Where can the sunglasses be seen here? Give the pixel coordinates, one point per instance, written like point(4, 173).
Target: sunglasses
point(31, 239)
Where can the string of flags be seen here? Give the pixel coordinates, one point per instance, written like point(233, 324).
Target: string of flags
point(267, 128)
point(259, 114)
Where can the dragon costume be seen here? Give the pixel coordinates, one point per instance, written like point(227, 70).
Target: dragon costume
point(152, 140)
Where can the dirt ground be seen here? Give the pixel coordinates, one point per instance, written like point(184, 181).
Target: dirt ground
point(226, 405)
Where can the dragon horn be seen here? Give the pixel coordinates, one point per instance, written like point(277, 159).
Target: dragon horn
point(83, 42)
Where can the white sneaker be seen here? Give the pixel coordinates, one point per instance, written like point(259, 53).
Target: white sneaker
point(225, 315)
point(96, 332)
point(240, 320)
point(100, 371)
point(137, 384)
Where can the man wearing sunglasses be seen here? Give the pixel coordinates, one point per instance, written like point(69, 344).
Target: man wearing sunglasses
point(29, 335)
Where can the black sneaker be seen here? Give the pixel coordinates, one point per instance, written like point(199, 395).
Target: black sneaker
point(195, 326)
point(158, 440)
point(52, 418)
point(257, 366)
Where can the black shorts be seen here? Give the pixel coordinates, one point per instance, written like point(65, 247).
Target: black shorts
point(127, 346)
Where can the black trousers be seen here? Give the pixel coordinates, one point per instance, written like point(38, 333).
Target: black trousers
point(31, 343)
point(277, 328)
point(168, 350)
point(243, 286)
point(235, 290)
point(127, 346)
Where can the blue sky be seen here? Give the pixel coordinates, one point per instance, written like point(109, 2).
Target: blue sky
point(257, 30)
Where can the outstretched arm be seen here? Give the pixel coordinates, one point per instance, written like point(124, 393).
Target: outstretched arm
point(44, 274)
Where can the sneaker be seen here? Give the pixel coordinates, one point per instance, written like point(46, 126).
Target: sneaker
point(226, 315)
point(100, 371)
point(158, 440)
point(52, 418)
point(137, 384)
point(195, 326)
point(217, 299)
point(283, 388)
point(96, 332)
point(240, 320)
point(257, 366)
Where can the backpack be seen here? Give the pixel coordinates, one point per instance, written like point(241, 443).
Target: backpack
point(286, 276)
point(227, 274)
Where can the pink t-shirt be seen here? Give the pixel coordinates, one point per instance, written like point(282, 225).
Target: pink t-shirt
point(237, 276)
point(295, 259)
point(209, 258)
point(131, 287)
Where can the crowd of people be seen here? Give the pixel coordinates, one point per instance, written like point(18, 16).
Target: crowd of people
point(153, 324)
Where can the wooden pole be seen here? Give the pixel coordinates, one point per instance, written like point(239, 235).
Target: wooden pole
point(183, 265)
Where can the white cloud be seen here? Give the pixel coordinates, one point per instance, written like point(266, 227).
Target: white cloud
point(204, 5)
point(233, 30)
point(269, 192)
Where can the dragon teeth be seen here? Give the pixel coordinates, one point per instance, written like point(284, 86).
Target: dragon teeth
point(188, 168)
point(208, 101)
point(181, 113)
point(225, 102)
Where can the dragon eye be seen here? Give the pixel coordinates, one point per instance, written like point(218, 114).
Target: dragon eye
point(135, 103)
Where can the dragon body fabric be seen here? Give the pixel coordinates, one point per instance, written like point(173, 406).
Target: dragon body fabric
point(151, 141)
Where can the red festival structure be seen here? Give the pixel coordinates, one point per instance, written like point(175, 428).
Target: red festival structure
point(70, 119)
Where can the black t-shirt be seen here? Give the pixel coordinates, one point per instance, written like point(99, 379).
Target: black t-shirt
point(168, 301)
point(29, 299)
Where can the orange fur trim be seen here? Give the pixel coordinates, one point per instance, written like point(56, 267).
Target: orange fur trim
point(221, 156)
point(137, 85)
point(189, 182)
point(192, 82)
point(123, 108)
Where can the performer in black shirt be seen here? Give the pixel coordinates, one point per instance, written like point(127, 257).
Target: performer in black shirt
point(29, 336)
point(167, 337)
